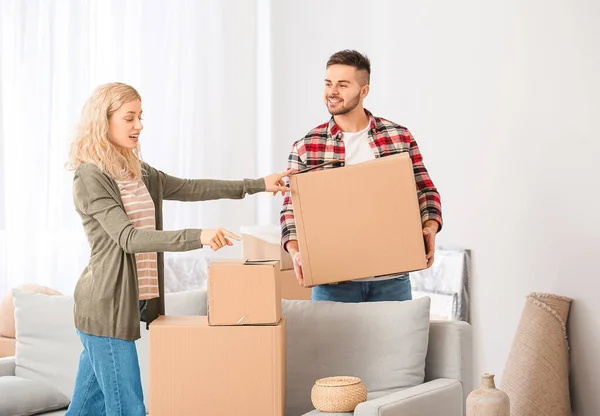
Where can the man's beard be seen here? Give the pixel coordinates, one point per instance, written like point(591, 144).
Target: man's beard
point(344, 109)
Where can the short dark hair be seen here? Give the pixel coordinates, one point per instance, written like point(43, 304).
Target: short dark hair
point(351, 58)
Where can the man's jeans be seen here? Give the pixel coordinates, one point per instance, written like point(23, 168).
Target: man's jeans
point(397, 289)
point(108, 379)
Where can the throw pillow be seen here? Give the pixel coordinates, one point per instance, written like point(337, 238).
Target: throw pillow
point(23, 397)
point(383, 343)
point(48, 348)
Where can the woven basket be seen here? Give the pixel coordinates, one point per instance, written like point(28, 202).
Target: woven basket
point(338, 394)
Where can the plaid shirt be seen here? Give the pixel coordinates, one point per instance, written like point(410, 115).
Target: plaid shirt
point(324, 143)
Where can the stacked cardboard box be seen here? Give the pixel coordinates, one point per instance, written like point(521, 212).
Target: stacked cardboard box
point(262, 243)
point(244, 293)
point(233, 360)
point(291, 289)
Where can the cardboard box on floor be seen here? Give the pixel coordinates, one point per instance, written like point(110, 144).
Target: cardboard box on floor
point(263, 243)
point(358, 221)
point(244, 293)
point(196, 368)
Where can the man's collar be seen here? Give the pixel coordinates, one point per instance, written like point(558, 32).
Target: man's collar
point(334, 129)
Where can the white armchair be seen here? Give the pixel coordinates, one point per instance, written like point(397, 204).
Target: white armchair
point(354, 340)
point(447, 378)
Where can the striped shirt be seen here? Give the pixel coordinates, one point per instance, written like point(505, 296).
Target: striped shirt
point(140, 210)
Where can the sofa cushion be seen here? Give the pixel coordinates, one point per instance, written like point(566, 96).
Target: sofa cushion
point(21, 396)
point(7, 307)
point(189, 302)
point(383, 343)
point(48, 348)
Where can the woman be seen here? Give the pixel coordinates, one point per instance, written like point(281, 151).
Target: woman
point(119, 199)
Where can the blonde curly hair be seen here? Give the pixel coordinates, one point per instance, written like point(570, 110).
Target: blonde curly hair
point(91, 142)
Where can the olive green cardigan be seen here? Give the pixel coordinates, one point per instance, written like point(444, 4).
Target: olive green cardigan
point(106, 295)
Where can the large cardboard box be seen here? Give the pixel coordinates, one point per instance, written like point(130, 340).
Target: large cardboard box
point(198, 369)
point(264, 243)
point(358, 221)
point(244, 293)
point(291, 289)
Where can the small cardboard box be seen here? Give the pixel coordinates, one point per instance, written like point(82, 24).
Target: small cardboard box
point(244, 293)
point(291, 289)
point(358, 221)
point(198, 369)
point(264, 243)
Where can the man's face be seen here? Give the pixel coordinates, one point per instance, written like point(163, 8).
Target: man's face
point(345, 88)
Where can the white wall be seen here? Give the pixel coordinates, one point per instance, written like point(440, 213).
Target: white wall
point(502, 98)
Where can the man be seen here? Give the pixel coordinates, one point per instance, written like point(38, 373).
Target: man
point(354, 135)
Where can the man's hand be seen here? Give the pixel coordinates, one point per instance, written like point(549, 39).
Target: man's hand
point(292, 248)
point(298, 268)
point(274, 183)
point(430, 229)
point(216, 238)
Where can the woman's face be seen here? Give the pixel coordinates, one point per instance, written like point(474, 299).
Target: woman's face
point(125, 125)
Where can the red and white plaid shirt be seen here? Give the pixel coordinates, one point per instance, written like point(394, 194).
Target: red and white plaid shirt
point(324, 143)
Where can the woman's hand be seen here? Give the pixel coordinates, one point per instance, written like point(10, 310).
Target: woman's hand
point(216, 238)
point(274, 183)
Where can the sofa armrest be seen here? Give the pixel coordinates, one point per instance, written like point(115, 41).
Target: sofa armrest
point(7, 366)
point(449, 354)
point(434, 398)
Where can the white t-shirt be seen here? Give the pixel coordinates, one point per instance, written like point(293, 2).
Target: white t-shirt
point(357, 146)
point(358, 150)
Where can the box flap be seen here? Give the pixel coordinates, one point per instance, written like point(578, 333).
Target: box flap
point(248, 262)
point(334, 162)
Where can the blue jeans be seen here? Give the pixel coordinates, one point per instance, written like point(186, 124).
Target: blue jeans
point(397, 289)
point(108, 379)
